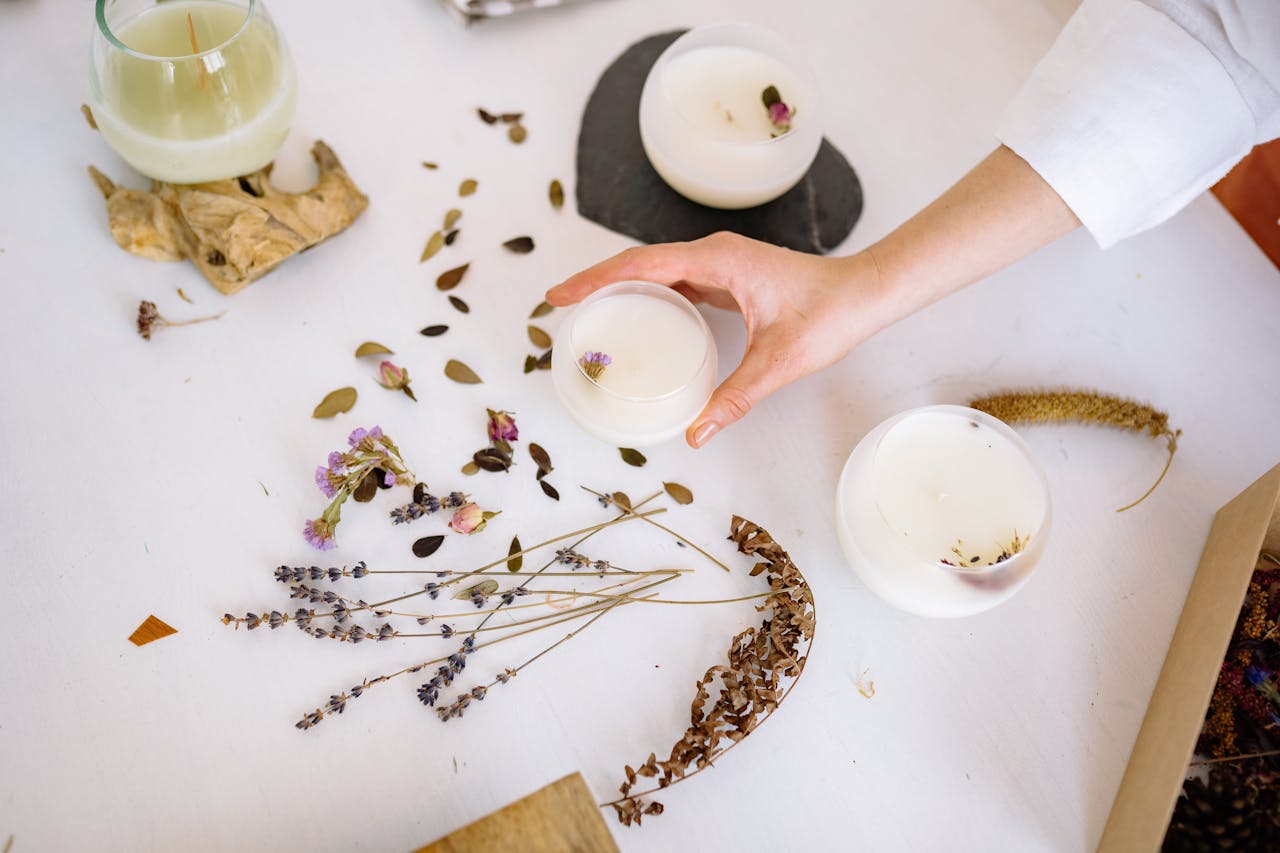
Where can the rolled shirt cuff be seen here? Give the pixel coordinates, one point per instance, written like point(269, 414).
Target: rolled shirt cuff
point(1128, 118)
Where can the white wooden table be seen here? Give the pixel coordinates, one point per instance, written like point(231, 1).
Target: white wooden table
point(171, 476)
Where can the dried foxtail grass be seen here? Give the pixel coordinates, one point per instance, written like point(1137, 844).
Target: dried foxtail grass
point(1084, 407)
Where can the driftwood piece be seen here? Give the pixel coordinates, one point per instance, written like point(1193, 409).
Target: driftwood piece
point(234, 231)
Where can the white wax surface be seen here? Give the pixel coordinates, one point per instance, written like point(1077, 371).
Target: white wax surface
point(174, 124)
point(718, 90)
point(656, 347)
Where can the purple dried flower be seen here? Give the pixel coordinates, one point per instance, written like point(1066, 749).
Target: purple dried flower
point(324, 481)
point(594, 363)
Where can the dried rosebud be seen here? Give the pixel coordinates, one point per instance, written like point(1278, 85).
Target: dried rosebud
point(502, 426)
point(780, 112)
point(395, 378)
point(468, 519)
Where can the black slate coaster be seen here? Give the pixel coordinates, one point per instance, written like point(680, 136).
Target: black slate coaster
point(618, 189)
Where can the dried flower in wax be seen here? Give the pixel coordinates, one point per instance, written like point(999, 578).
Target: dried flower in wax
point(780, 113)
point(593, 364)
point(1084, 407)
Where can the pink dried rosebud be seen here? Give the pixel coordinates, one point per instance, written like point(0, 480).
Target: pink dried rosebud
point(395, 378)
point(469, 518)
point(502, 426)
point(780, 112)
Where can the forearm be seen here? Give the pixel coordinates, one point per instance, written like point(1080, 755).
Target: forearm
point(998, 213)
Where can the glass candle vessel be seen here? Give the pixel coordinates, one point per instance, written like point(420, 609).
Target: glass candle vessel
point(634, 364)
point(942, 511)
point(189, 91)
point(705, 124)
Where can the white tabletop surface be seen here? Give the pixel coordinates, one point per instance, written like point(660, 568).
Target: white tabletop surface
point(171, 476)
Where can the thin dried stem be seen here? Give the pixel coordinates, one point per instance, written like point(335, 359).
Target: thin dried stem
point(661, 527)
point(1231, 758)
point(195, 48)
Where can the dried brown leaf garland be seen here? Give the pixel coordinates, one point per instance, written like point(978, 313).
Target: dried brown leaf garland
point(764, 664)
point(335, 402)
point(1084, 407)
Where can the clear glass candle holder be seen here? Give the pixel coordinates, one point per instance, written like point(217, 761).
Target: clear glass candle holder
point(706, 128)
point(942, 511)
point(634, 364)
point(189, 91)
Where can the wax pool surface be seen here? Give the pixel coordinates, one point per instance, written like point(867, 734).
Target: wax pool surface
point(718, 89)
point(656, 347)
point(172, 123)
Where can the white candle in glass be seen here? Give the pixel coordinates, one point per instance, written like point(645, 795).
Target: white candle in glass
point(661, 364)
point(705, 126)
point(942, 511)
point(184, 115)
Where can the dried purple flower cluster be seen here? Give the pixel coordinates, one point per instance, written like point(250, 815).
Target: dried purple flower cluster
point(594, 363)
point(372, 462)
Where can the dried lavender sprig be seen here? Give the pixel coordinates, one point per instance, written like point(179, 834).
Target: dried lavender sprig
point(645, 516)
point(424, 503)
point(463, 614)
point(297, 574)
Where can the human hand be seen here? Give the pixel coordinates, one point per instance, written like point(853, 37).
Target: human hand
point(802, 311)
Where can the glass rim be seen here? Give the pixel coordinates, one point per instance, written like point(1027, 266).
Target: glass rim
point(110, 36)
point(1010, 435)
point(650, 287)
point(801, 68)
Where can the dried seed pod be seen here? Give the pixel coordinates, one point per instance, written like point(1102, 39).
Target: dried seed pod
point(486, 116)
point(544, 361)
point(540, 458)
point(492, 459)
point(530, 363)
point(451, 218)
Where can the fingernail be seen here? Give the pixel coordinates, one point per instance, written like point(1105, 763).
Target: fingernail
point(703, 432)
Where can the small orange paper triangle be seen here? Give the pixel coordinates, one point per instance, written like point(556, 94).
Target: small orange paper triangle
point(151, 630)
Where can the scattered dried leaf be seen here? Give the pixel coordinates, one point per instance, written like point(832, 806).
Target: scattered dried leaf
point(519, 245)
point(539, 338)
point(679, 493)
point(517, 134)
point(459, 372)
point(486, 588)
point(427, 164)
point(515, 560)
point(368, 487)
point(549, 490)
point(449, 279)
point(530, 363)
point(486, 116)
point(451, 218)
point(450, 237)
point(543, 309)
point(544, 361)
point(620, 499)
point(427, 545)
point(185, 298)
point(492, 459)
point(335, 402)
point(467, 187)
point(633, 457)
point(88, 116)
point(150, 630)
point(471, 469)
point(434, 331)
point(460, 305)
point(512, 118)
point(556, 193)
point(434, 244)
point(540, 458)
point(372, 348)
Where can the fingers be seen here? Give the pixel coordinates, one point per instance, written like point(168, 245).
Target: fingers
point(665, 263)
point(759, 375)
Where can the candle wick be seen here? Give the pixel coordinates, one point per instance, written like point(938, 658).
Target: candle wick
point(195, 48)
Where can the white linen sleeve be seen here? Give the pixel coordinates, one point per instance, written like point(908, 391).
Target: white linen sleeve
point(1128, 118)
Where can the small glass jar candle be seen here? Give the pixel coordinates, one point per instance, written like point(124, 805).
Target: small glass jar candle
point(189, 91)
point(634, 364)
point(942, 511)
point(708, 120)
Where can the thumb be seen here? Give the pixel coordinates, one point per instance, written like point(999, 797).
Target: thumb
point(758, 376)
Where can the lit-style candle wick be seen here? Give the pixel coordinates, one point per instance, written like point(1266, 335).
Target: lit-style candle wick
point(195, 48)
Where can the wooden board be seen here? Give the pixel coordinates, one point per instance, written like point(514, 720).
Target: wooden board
point(559, 818)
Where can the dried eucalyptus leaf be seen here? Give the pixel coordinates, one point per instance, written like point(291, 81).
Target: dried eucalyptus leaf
point(544, 361)
point(427, 545)
point(434, 244)
point(372, 348)
point(515, 560)
point(511, 118)
point(556, 193)
point(459, 372)
point(486, 116)
point(367, 489)
point(517, 134)
point(471, 469)
point(540, 458)
point(450, 237)
point(520, 245)
point(678, 493)
point(486, 587)
point(530, 363)
point(427, 164)
point(335, 402)
point(451, 218)
point(549, 490)
point(468, 186)
point(632, 456)
point(539, 338)
point(621, 499)
point(543, 309)
point(449, 279)
point(460, 305)
point(434, 331)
